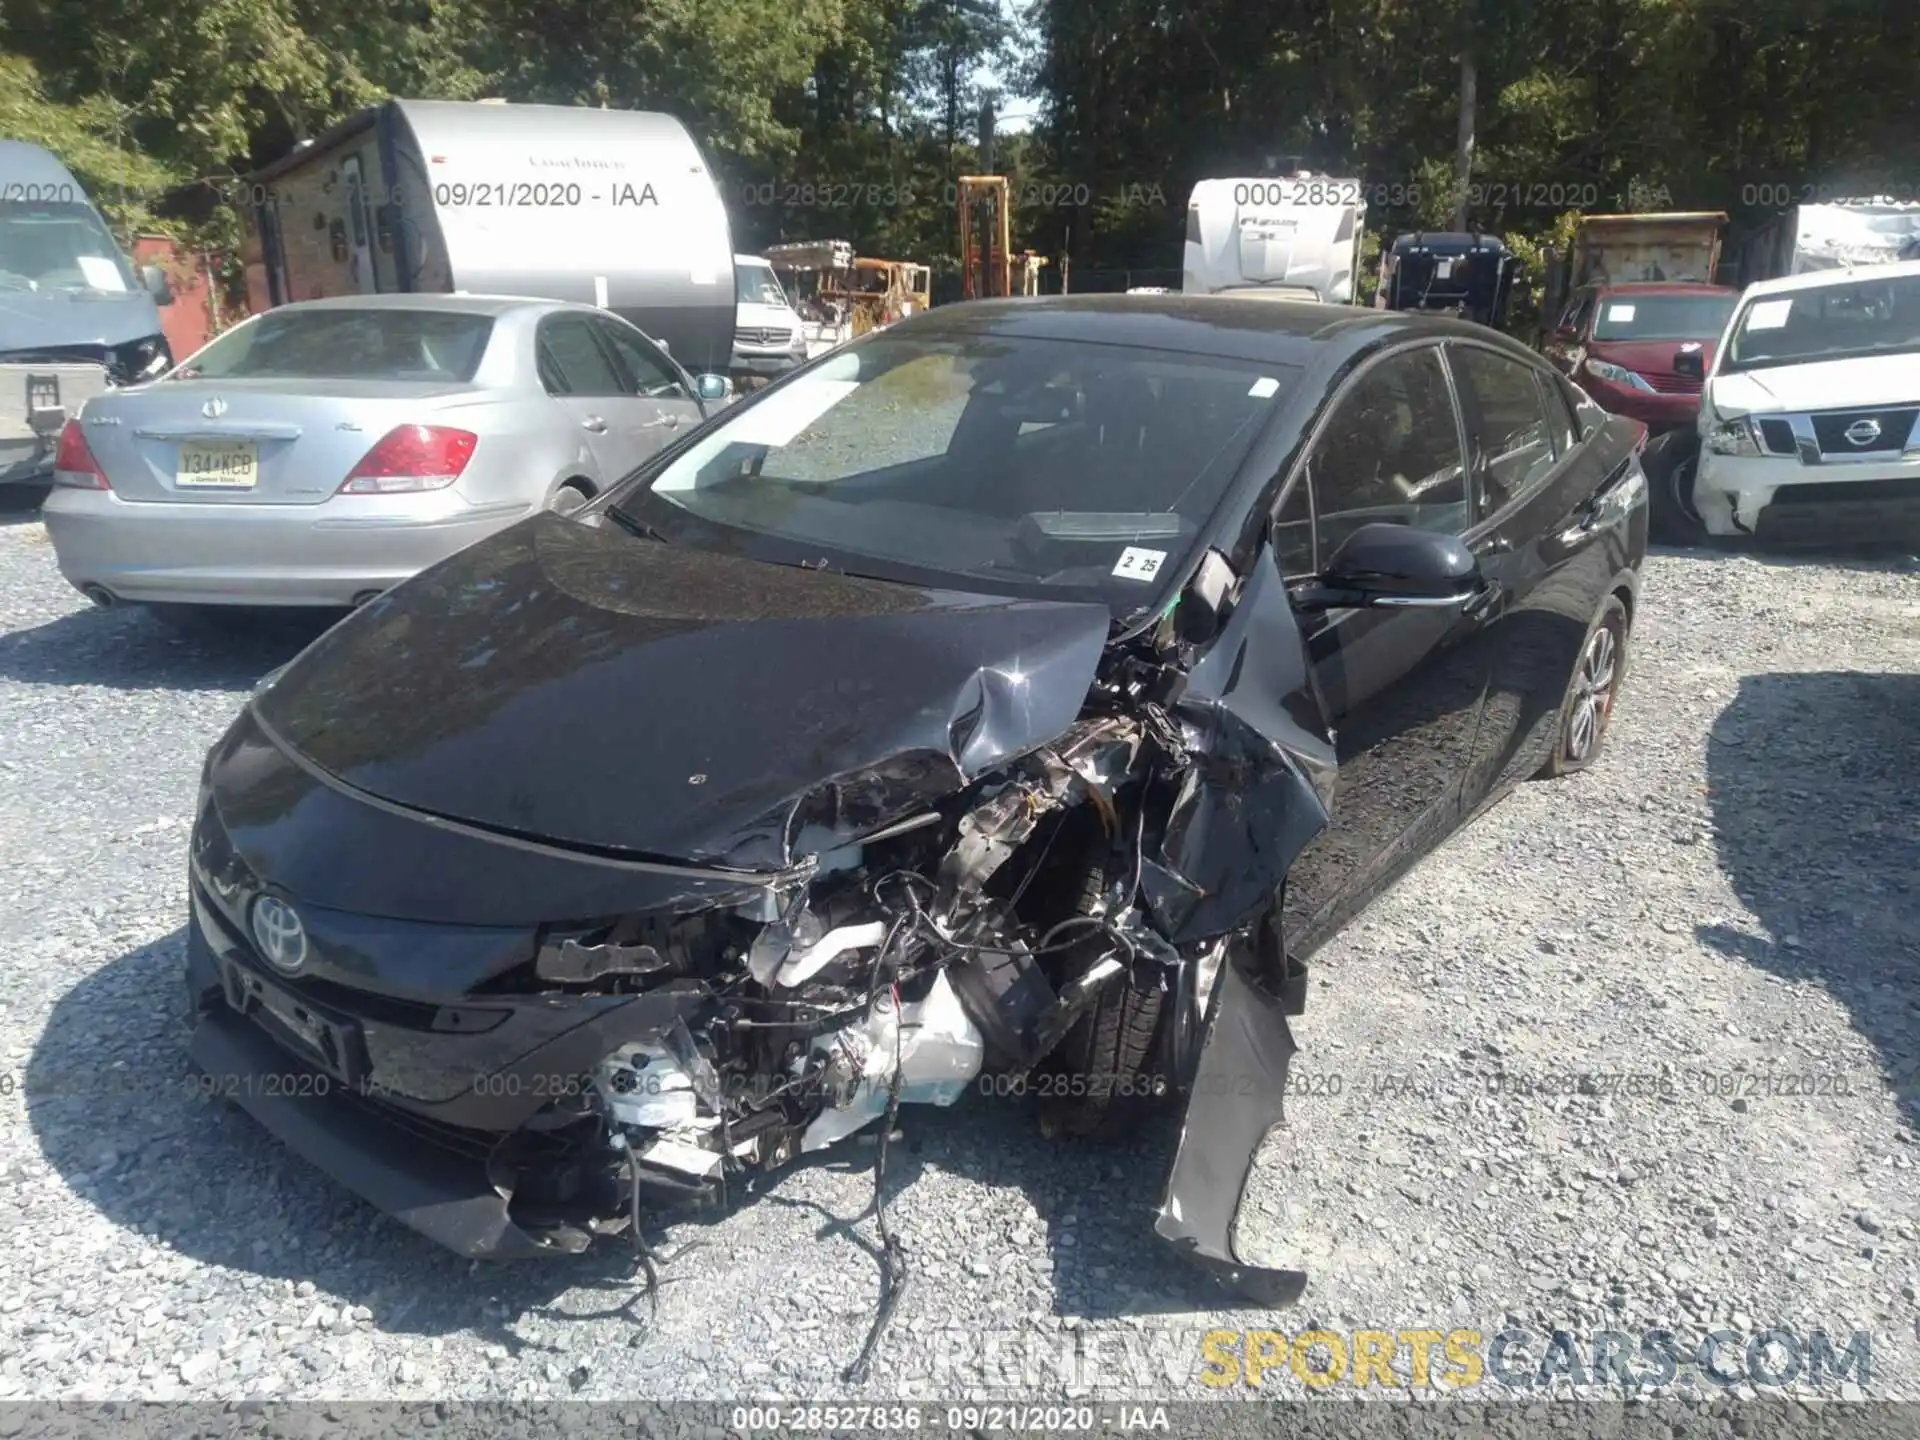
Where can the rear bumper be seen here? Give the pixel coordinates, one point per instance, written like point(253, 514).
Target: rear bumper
point(232, 554)
point(1780, 498)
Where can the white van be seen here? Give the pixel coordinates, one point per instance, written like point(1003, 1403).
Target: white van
point(1810, 416)
point(768, 336)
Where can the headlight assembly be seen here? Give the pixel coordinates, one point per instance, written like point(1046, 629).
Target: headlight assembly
point(1733, 437)
point(1617, 375)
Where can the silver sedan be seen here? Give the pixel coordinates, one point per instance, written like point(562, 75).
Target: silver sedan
point(326, 450)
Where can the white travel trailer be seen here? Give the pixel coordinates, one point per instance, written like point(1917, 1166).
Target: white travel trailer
point(1831, 237)
point(1300, 232)
point(615, 208)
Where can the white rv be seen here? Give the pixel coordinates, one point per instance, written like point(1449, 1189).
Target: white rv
point(1829, 237)
point(615, 208)
point(1300, 233)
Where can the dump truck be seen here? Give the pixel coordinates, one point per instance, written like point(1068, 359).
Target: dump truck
point(1677, 246)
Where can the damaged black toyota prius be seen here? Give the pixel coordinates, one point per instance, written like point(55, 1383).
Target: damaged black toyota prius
point(1023, 690)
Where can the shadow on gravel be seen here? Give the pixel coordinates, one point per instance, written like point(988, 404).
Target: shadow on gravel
point(119, 1117)
point(1815, 784)
point(128, 649)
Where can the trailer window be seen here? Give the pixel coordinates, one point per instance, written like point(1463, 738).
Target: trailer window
point(346, 344)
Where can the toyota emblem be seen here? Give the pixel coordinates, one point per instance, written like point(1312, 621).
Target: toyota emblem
point(214, 408)
point(1863, 432)
point(281, 936)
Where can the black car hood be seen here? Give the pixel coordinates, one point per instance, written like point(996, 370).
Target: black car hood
point(573, 683)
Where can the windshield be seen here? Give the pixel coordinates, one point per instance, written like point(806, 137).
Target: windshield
point(1663, 317)
point(756, 285)
point(1834, 322)
point(1075, 470)
point(58, 245)
point(432, 345)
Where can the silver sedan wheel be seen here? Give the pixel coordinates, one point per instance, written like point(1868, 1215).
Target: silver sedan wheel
point(1592, 694)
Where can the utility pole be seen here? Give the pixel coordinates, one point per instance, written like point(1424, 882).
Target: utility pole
point(1463, 145)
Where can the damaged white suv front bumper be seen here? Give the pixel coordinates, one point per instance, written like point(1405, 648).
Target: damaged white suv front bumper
point(1852, 473)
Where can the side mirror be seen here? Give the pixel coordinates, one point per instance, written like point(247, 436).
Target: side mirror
point(1203, 604)
point(1691, 361)
point(155, 281)
point(1397, 565)
point(712, 387)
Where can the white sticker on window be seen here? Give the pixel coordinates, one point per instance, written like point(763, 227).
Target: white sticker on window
point(1263, 387)
point(100, 272)
point(1768, 314)
point(1620, 314)
point(1137, 564)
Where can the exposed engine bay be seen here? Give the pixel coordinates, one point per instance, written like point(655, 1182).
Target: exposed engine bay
point(950, 945)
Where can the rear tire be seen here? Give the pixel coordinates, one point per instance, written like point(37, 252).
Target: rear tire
point(1592, 690)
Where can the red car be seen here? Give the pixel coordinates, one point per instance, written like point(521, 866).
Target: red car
point(1619, 343)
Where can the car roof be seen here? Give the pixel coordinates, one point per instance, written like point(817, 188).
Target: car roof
point(1665, 287)
point(454, 304)
point(24, 163)
point(1279, 332)
point(1839, 275)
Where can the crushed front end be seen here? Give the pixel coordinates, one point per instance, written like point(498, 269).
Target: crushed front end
point(520, 1082)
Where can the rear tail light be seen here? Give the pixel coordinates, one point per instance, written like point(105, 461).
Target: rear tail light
point(73, 462)
point(410, 458)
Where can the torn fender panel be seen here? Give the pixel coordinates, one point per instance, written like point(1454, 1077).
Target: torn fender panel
point(591, 688)
point(1261, 778)
point(1236, 1100)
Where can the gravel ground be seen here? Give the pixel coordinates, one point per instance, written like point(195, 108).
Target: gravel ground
point(1727, 909)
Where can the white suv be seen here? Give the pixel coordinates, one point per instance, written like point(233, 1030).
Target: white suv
point(1810, 418)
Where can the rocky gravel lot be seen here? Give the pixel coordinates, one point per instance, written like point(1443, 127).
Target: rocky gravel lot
point(1636, 1051)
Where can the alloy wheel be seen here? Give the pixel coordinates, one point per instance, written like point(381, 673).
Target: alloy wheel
point(1592, 694)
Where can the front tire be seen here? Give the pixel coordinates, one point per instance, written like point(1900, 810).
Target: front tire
point(1109, 1058)
point(1671, 468)
point(1591, 692)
